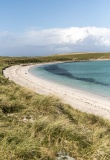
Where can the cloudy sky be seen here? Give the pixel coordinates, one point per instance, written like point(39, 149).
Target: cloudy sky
point(44, 27)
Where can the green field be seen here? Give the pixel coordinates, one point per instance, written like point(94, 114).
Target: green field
point(37, 127)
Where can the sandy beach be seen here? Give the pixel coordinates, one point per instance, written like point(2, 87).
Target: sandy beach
point(78, 99)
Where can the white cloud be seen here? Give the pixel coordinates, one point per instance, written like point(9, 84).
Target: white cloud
point(48, 41)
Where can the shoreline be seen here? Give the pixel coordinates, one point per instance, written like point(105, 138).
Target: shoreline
point(78, 99)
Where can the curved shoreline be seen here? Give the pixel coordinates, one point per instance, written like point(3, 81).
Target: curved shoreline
point(78, 99)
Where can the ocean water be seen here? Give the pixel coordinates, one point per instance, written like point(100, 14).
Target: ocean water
point(91, 76)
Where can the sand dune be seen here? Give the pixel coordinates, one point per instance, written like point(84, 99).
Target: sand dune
point(78, 99)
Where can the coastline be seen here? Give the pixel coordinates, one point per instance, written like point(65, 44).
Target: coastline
point(78, 99)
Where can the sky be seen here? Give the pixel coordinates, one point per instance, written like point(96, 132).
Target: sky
point(45, 27)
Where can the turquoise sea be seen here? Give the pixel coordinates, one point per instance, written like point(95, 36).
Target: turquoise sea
point(90, 76)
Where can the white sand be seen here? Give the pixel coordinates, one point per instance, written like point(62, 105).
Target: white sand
point(81, 100)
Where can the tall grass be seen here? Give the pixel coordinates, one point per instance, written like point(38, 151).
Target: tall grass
point(34, 126)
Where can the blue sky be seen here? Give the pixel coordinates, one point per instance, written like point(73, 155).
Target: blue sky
point(26, 26)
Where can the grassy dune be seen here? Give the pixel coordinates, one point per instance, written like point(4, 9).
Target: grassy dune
point(37, 127)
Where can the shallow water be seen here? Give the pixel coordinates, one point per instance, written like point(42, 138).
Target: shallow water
point(92, 76)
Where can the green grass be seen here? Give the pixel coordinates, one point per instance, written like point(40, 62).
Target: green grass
point(34, 126)
point(68, 57)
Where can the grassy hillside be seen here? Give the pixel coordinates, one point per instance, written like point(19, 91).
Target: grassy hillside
point(69, 57)
point(37, 127)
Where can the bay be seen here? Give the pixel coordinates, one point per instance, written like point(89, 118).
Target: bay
point(91, 76)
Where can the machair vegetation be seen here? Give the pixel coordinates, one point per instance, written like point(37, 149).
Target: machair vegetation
point(38, 127)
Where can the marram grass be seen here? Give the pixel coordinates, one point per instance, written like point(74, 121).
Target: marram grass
point(37, 127)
